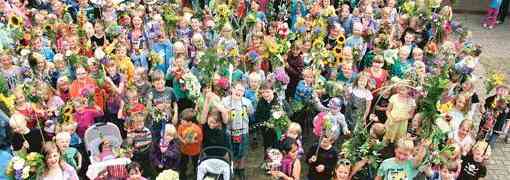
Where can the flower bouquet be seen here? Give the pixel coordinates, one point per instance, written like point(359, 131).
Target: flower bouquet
point(168, 175)
point(278, 121)
point(191, 85)
point(23, 167)
point(494, 79)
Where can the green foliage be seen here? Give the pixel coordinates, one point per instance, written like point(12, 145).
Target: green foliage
point(210, 64)
point(434, 86)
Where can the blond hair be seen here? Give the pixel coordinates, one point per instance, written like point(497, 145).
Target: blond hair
point(483, 147)
point(170, 130)
point(63, 136)
point(406, 144)
point(293, 126)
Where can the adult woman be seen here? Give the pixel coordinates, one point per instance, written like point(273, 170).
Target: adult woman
point(56, 167)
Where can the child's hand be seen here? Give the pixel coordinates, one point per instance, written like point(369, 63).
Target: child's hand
point(312, 159)
point(320, 168)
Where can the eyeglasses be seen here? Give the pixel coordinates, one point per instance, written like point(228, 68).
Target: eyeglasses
point(345, 162)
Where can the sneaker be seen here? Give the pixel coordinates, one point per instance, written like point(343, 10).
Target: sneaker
point(491, 27)
point(499, 22)
point(484, 25)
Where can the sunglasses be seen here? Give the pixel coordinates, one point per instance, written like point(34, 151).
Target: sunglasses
point(345, 162)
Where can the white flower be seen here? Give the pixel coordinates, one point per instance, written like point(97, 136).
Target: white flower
point(25, 52)
point(99, 53)
point(26, 172)
point(277, 114)
point(168, 175)
point(18, 163)
point(68, 53)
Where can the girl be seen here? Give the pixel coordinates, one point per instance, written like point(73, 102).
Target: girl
point(294, 131)
point(492, 14)
point(342, 170)
point(400, 109)
point(70, 155)
point(463, 136)
point(291, 166)
point(56, 167)
point(85, 115)
point(165, 153)
point(135, 172)
point(358, 102)
point(377, 73)
point(459, 112)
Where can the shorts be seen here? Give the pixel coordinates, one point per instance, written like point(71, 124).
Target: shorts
point(240, 149)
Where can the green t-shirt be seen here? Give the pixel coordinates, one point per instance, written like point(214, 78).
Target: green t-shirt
point(391, 170)
point(69, 157)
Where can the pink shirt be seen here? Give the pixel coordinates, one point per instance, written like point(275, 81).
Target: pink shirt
point(85, 118)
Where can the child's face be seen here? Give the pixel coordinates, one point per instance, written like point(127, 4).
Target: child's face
point(347, 54)
point(464, 130)
point(293, 134)
point(402, 154)
point(308, 77)
point(213, 122)
point(409, 38)
point(267, 94)
point(138, 125)
point(134, 174)
point(293, 153)
point(238, 91)
point(159, 85)
point(342, 172)
point(418, 56)
point(63, 143)
point(254, 84)
point(326, 142)
point(345, 11)
point(478, 155)
point(169, 136)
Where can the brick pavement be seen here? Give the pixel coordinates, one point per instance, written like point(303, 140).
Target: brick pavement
point(496, 54)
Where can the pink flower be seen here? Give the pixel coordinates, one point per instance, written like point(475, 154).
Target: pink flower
point(281, 76)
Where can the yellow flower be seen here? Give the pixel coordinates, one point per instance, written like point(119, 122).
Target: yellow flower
point(9, 101)
point(445, 107)
point(234, 52)
point(498, 78)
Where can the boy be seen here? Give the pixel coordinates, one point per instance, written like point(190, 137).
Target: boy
point(473, 166)
point(322, 158)
point(401, 166)
point(190, 135)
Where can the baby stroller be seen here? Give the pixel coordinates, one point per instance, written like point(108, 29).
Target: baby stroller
point(94, 136)
point(215, 163)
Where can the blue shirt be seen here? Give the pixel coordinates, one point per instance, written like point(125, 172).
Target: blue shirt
point(166, 50)
point(495, 4)
point(140, 59)
point(5, 157)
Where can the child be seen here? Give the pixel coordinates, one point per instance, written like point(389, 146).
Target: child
point(105, 151)
point(70, 154)
point(400, 109)
point(85, 114)
point(294, 131)
point(463, 136)
point(473, 166)
point(190, 135)
point(165, 153)
point(291, 166)
point(141, 140)
point(135, 172)
point(263, 113)
point(492, 14)
point(342, 170)
point(321, 159)
point(401, 166)
point(334, 117)
point(238, 126)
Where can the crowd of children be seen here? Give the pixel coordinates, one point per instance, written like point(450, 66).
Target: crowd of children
point(332, 89)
